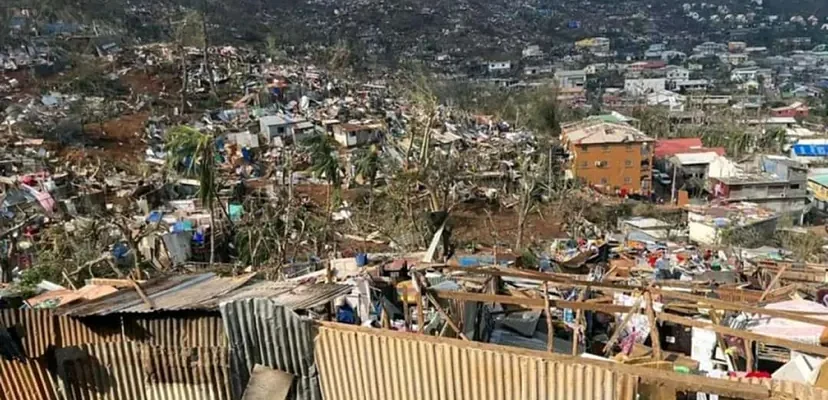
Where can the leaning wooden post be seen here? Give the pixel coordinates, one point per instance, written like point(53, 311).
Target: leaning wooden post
point(654, 336)
point(550, 339)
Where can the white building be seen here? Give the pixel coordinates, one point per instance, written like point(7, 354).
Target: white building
point(750, 74)
point(707, 224)
point(641, 87)
point(532, 51)
point(667, 99)
point(499, 66)
point(693, 85)
point(677, 74)
point(570, 79)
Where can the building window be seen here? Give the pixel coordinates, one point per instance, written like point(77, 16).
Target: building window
point(627, 180)
point(629, 147)
point(628, 163)
point(603, 181)
point(606, 148)
point(795, 186)
point(584, 148)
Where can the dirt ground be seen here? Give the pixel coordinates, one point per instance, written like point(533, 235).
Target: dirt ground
point(117, 140)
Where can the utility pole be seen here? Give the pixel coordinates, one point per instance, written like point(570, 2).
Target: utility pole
point(673, 185)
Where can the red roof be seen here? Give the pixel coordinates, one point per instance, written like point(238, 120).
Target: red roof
point(668, 147)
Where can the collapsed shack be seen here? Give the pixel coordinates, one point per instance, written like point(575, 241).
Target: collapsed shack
point(691, 327)
point(180, 337)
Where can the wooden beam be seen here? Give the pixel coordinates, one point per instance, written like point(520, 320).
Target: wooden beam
point(714, 317)
point(141, 293)
point(445, 315)
point(789, 344)
point(579, 316)
point(636, 307)
point(536, 304)
point(654, 336)
point(749, 355)
point(732, 306)
point(773, 283)
point(550, 329)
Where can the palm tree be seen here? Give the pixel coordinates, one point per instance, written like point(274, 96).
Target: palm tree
point(324, 162)
point(367, 163)
point(195, 152)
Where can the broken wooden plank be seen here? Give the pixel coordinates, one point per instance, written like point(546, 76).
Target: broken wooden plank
point(445, 315)
point(773, 283)
point(536, 304)
point(732, 306)
point(636, 307)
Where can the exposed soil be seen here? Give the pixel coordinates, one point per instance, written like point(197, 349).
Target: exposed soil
point(117, 140)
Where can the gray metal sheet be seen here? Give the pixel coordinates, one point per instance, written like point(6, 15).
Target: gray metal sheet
point(261, 331)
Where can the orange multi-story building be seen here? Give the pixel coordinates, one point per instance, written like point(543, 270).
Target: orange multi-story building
point(610, 155)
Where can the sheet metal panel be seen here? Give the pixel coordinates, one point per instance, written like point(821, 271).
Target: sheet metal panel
point(100, 371)
point(131, 371)
point(186, 373)
point(356, 365)
point(88, 330)
point(263, 332)
point(26, 380)
point(36, 329)
point(205, 292)
point(179, 329)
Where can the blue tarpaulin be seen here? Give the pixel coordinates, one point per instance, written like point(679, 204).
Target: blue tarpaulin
point(811, 149)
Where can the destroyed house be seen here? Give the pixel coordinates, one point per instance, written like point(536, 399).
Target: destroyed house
point(285, 129)
point(780, 185)
point(180, 337)
point(355, 135)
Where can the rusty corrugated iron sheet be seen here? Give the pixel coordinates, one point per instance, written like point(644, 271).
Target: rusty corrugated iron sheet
point(261, 331)
point(100, 371)
point(88, 330)
point(26, 380)
point(36, 328)
point(205, 292)
point(180, 329)
point(357, 365)
point(186, 373)
point(131, 371)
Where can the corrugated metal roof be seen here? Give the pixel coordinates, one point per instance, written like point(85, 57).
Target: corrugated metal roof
point(262, 331)
point(205, 292)
point(290, 295)
point(356, 365)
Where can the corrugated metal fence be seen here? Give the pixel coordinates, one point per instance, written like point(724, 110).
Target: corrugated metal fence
point(355, 364)
point(129, 370)
point(179, 356)
point(262, 332)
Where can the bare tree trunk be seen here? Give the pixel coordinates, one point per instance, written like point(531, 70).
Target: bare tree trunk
point(212, 234)
point(207, 67)
point(184, 79)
